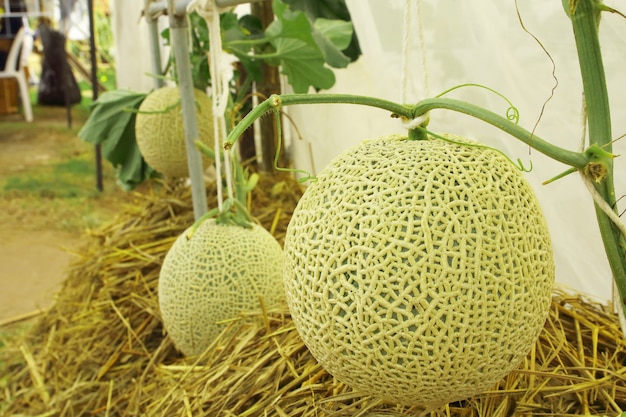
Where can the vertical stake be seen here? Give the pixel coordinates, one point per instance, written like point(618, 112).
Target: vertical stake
point(155, 50)
point(180, 46)
point(94, 89)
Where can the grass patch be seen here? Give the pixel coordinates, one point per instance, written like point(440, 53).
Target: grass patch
point(61, 180)
point(60, 194)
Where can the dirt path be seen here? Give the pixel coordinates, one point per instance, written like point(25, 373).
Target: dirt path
point(44, 210)
point(32, 268)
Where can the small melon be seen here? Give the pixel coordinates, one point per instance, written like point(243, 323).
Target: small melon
point(160, 134)
point(213, 275)
point(419, 271)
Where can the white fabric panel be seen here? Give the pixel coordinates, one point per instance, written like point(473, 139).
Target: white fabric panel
point(132, 46)
point(483, 42)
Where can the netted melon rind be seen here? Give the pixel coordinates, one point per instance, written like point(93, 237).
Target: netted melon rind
point(420, 272)
point(220, 272)
point(160, 135)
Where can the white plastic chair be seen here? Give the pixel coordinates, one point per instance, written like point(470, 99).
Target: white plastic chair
point(14, 68)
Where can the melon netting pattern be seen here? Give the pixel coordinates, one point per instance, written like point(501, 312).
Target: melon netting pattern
point(419, 271)
point(160, 135)
point(220, 272)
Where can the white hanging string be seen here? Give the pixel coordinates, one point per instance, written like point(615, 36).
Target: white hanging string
point(413, 23)
point(221, 73)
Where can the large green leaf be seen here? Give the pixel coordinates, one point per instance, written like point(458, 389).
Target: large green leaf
point(111, 124)
point(303, 65)
point(289, 24)
point(303, 50)
point(332, 10)
point(331, 36)
point(108, 119)
point(339, 32)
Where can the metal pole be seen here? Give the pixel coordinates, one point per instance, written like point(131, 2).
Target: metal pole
point(155, 50)
point(180, 7)
point(94, 89)
point(178, 33)
point(229, 3)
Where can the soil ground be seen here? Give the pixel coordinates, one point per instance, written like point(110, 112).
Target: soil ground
point(48, 199)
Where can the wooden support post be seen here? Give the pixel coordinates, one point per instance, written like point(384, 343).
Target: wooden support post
point(269, 85)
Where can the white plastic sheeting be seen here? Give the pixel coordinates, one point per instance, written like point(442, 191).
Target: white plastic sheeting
point(133, 64)
point(483, 42)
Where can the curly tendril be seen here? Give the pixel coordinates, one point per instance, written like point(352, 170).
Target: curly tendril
point(307, 175)
point(512, 113)
point(521, 167)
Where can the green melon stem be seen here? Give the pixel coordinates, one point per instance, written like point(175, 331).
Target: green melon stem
point(585, 17)
point(233, 211)
point(276, 101)
point(418, 134)
point(577, 160)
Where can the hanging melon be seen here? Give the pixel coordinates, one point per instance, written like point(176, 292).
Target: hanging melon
point(419, 271)
point(213, 274)
point(160, 134)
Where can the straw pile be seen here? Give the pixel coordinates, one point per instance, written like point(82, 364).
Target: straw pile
point(101, 350)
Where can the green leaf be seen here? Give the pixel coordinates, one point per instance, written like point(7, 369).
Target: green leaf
point(289, 24)
point(108, 119)
point(302, 49)
point(199, 32)
point(111, 124)
point(303, 65)
point(237, 29)
point(333, 10)
point(339, 32)
point(200, 72)
point(330, 9)
point(131, 168)
point(330, 36)
point(165, 34)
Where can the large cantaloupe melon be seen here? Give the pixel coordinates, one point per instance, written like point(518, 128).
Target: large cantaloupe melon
point(160, 134)
point(213, 275)
point(419, 271)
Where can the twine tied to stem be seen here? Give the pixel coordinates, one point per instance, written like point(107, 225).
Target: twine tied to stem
point(413, 20)
point(221, 71)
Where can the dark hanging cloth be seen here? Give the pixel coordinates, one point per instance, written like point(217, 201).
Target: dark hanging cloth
point(57, 84)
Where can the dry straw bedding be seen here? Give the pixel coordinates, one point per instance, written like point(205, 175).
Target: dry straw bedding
point(101, 350)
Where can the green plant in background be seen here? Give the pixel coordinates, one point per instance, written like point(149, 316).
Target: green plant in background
point(305, 47)
point(111, 124)
point(80, 49)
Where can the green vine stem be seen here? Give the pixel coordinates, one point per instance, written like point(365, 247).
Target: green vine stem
point(276, 101)
point(575, 159)
point(578, 160)
point(234, 211)
point(585, 16)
